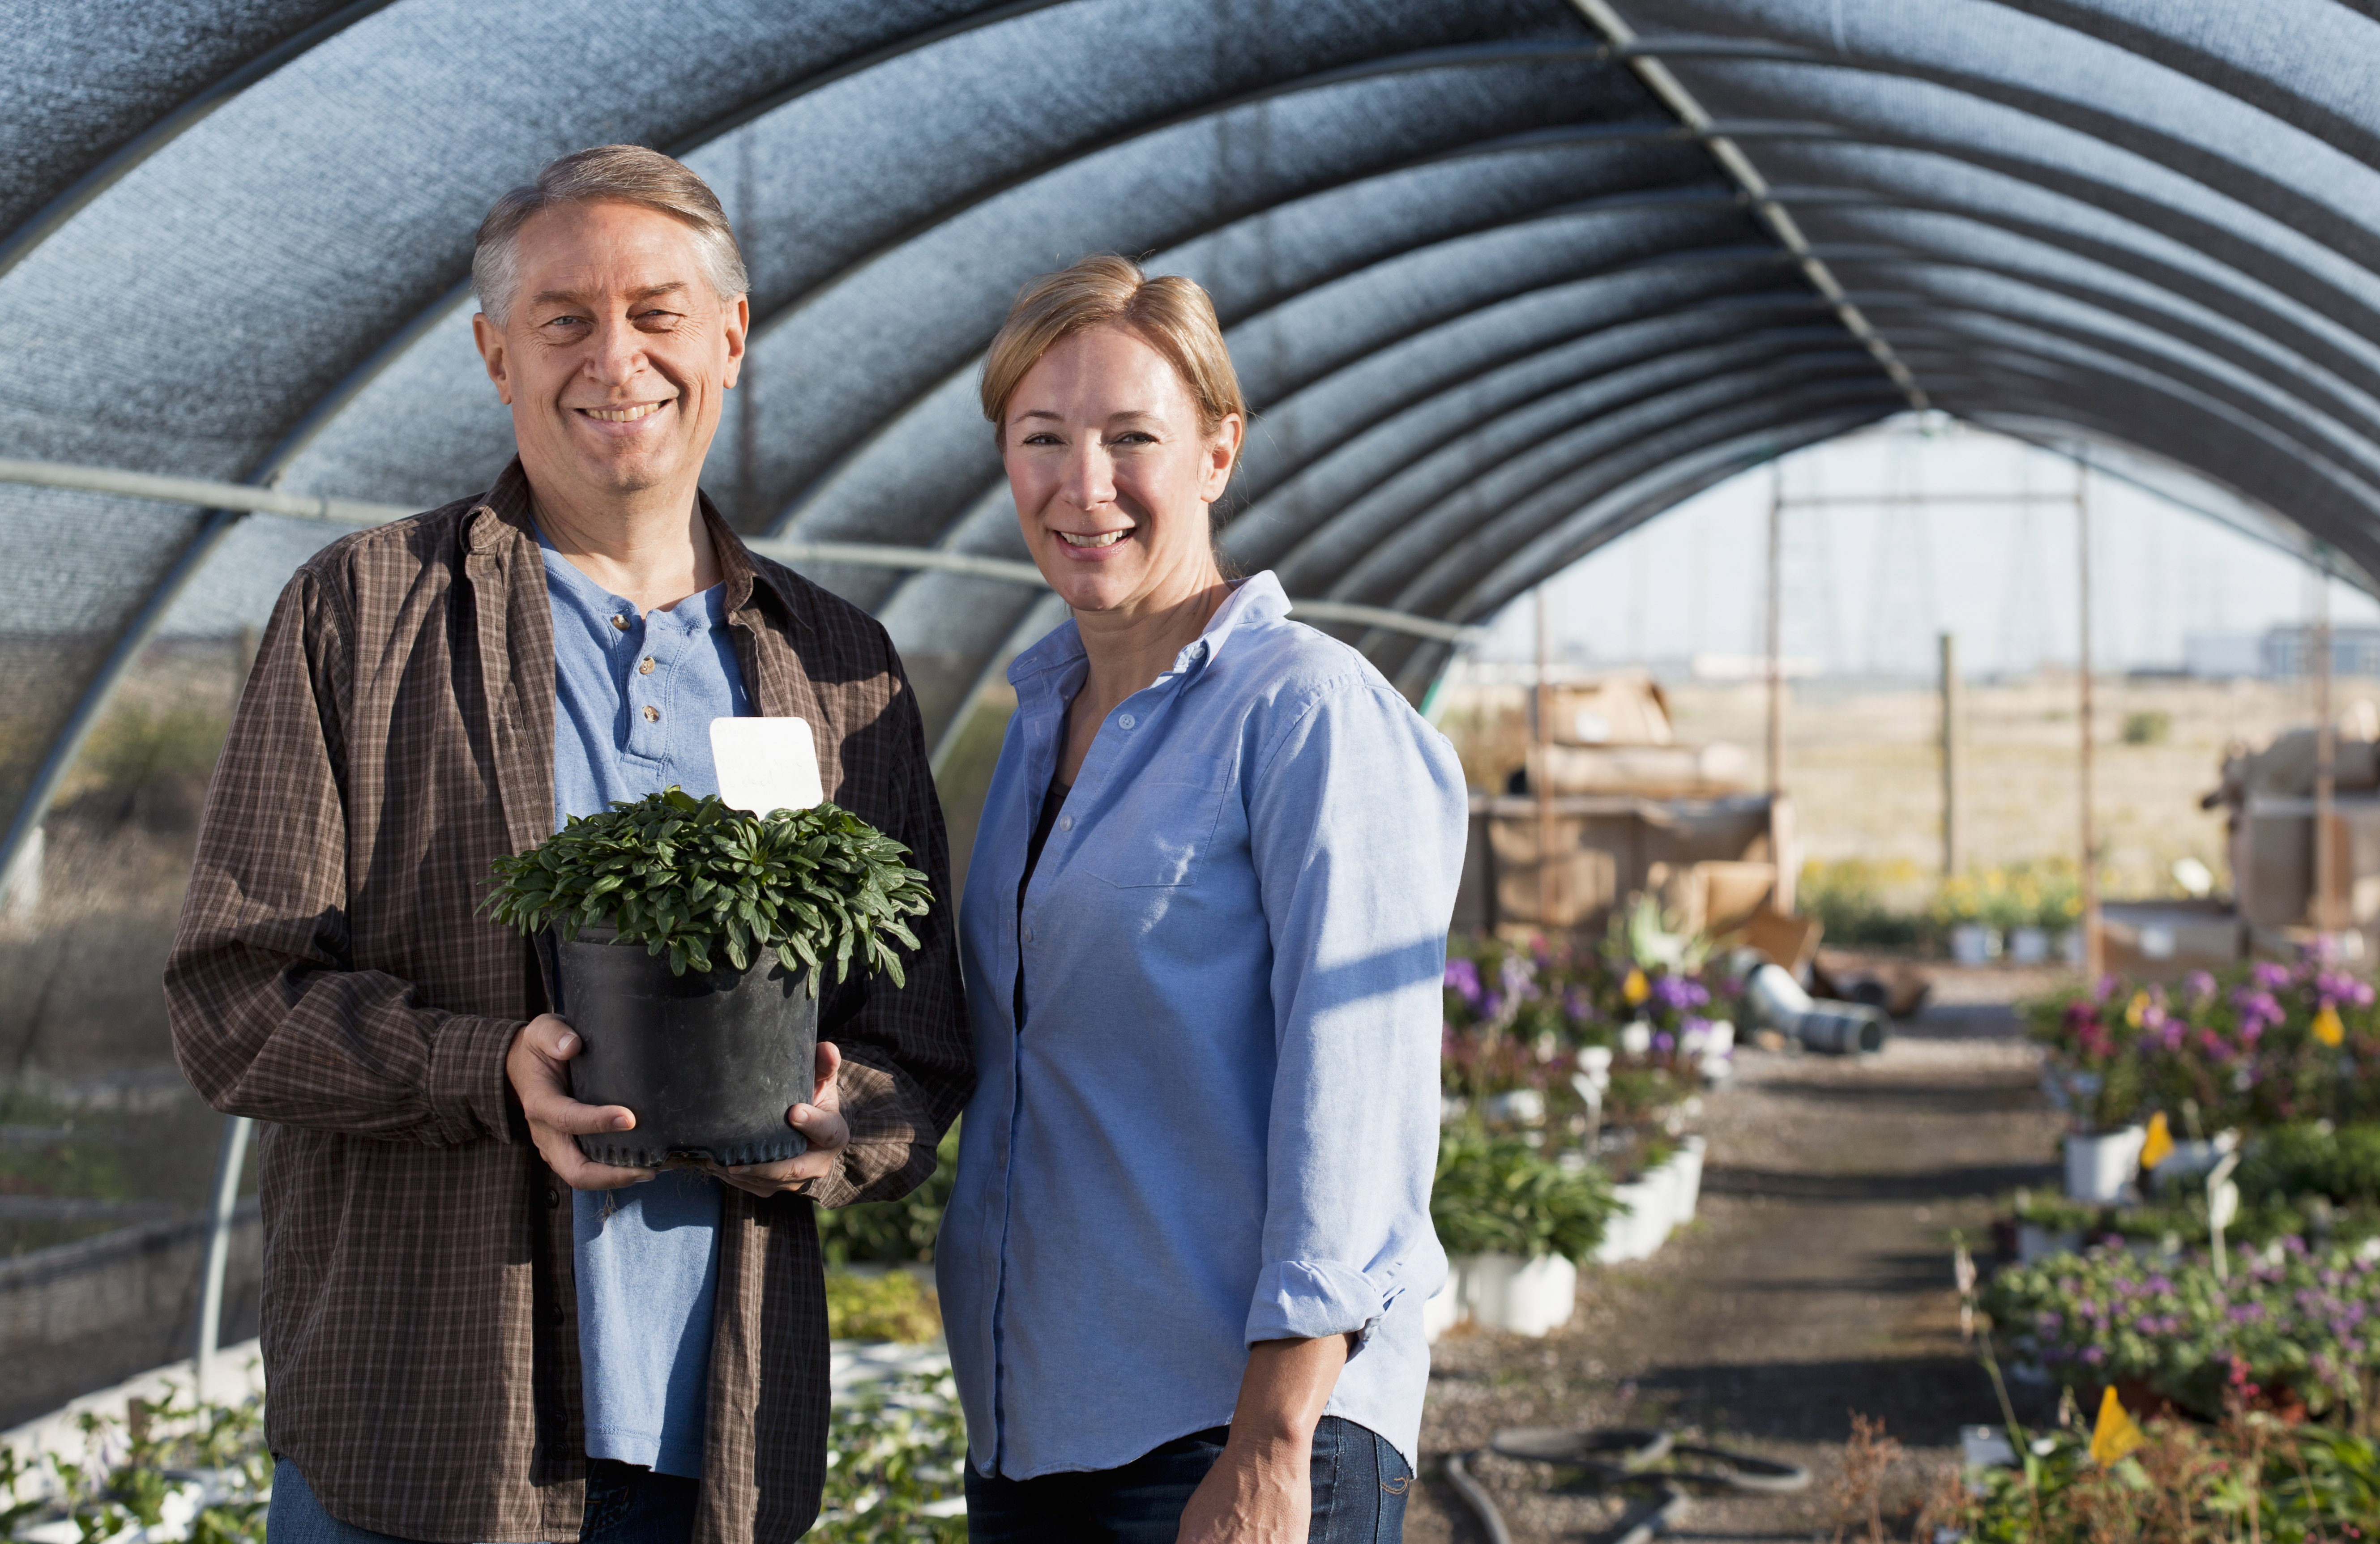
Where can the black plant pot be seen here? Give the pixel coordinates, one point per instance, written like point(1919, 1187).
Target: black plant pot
point(709, 1064)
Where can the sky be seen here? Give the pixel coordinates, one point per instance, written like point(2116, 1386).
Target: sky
point(1869, 589)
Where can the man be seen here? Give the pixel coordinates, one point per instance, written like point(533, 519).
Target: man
point(458, 1348)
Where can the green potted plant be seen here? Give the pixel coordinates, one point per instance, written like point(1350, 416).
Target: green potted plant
point(685, 941)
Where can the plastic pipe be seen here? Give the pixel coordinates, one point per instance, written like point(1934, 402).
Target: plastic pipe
point(230, 1161)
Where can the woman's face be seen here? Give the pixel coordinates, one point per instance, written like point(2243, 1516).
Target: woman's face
point(1111, 475)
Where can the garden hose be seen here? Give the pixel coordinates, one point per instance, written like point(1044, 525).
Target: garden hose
point(1623, 1459)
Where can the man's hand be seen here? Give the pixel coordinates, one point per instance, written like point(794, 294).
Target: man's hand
point(821, 1121)
point(534, 1067)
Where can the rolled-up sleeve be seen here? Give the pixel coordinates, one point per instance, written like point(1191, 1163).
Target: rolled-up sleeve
point(1357, 818)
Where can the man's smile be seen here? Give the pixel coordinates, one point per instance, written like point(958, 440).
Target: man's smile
point(629, 413)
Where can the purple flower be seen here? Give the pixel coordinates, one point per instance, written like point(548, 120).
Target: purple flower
point(2270, 976)
point(1665, 1041)
point(1462, 977)
point(1675, 993)
point(2337, 988)
point(2200, 985)
point(2259, 1011)
point(1491, 1004)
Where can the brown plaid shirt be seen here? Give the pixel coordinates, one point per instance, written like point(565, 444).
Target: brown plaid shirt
point(330, 978)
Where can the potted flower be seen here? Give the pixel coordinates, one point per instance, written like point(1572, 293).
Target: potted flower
point(685, 941)
point(2094, 1072)
point(1514, 1224)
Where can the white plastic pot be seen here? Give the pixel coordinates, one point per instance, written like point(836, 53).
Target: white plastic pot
point(1638, 1228)
point(1522, 1297)
point(1445, 1311)
point(2035, 1242)
point(1686, 1178)
point(2028, 946)
point(1973, 943)
point(2100, 1167)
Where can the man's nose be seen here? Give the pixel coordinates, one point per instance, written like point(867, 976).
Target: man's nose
point(618, 352)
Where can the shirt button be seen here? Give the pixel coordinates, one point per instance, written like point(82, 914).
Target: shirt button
point(621, 623)
point(553, 1197)
point(645, 665)
point(1065, 822)
point(1028, 934)
point(652, 714)
point(1124, 720)
point(555, 1318)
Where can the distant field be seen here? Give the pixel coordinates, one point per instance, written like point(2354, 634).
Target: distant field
point(1864, 769)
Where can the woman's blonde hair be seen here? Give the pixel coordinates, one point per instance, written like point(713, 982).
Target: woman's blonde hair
point(1171, 313)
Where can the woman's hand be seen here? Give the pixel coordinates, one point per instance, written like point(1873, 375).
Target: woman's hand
point(821, 1121)
point(1257, 1492)
point(1261, 1489)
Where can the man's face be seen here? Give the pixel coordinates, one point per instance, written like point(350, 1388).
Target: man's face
point(617, 353)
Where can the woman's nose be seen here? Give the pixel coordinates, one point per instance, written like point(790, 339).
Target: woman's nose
point(1090, 478)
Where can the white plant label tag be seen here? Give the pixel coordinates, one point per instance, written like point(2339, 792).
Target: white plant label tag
point(765, 763)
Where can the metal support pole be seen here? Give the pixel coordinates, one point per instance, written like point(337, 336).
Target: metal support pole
point(1953, 757)
point(2095, 956)
point(230, 1161)
point(1776, 630)
point(1541, 781)
point(2326, 767)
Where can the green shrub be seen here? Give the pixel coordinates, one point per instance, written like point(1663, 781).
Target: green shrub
point(2153, 726)
point(692, 876)
point(2312, 1157)
point(893, 1306)
point(893, 1474)
point(893, 1232)
point(1496, 1195)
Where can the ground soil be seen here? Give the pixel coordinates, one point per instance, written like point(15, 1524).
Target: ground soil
point(1816, 1284)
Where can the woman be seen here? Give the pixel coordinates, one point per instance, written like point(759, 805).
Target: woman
point(1204, 928)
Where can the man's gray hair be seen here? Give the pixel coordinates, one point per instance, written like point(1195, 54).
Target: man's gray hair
point(625, 173)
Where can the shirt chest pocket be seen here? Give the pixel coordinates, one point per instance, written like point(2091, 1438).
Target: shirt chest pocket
point(1157, 830)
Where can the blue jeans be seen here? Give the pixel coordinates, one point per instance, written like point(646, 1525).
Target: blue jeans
point(624, 1505)
point(1360, 1483)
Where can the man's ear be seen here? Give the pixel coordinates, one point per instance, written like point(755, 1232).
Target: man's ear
point(739, 332)
point(490, 343)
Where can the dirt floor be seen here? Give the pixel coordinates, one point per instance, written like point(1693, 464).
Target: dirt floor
point(1815, 1284)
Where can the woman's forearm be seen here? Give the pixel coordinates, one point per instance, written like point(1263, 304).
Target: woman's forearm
point(1283, 1391)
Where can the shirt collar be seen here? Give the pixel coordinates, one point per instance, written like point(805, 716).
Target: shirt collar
point(509, 503)
point(1253, 602)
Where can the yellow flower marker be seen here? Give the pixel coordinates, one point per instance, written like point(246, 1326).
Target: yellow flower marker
point(2158, 1144)
point(2137, 1009)
point(2326, 1027)
point(1636, 988)
point(2116, 1435)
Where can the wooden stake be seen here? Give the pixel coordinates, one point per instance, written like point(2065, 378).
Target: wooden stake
point(2325, 764)
point(1776, 629)
point(2094, 956)
point(1953, 756)
point(1540, 774)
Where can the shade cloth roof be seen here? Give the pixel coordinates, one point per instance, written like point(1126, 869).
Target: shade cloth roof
point(1490, 270)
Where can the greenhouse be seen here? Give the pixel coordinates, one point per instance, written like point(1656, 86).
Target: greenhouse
point(1504, 280)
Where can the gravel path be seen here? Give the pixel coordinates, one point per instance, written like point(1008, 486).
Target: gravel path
point(1815, 1284)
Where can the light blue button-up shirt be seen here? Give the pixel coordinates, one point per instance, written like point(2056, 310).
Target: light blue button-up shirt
point(633, 698)
point(1220, 1121)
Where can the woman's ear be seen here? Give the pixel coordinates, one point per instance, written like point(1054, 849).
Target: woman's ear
point(1222, 455)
